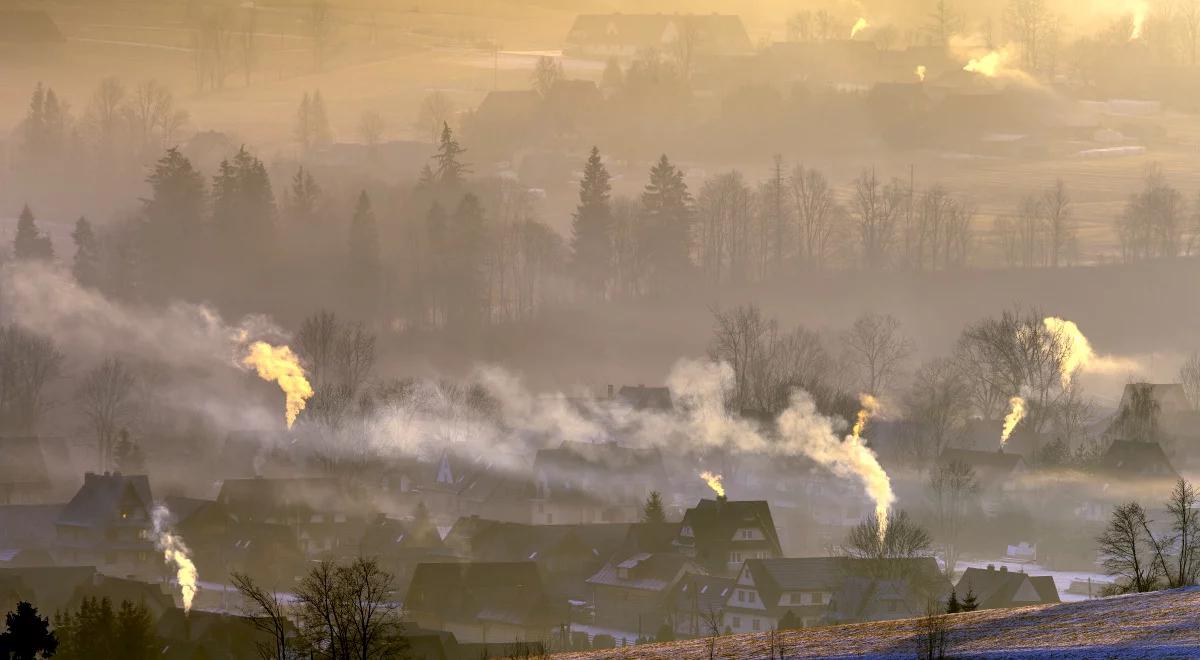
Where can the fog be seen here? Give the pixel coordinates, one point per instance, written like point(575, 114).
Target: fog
point(915, 270)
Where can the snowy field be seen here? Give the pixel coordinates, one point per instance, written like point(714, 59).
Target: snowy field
point(1164, 624)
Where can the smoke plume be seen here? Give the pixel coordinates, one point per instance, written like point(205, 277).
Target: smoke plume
point(714, 482)
point(280, 364)
point(1080, 357)
point(920, 72)
point(1016, 413)
point(175, 553)
point(859, 25)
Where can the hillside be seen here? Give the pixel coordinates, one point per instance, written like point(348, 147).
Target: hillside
point(1164, 624)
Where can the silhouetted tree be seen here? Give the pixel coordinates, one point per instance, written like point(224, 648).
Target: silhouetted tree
point(546, 74)
point(434, 115)
point(450, 171)
point(243, 211)
point(86, 266)
point(653, 511)
point(666, 209)
point(301, 199)
point(466, 294)
point(174, 222)
point(105, 398)
point(878, 348)
point(591, 231)
point(27, 636)
point(28, 364)
point(952, 604)
point(1128, 554)
point(969, 602)
point(363, 253)
point(30, 243)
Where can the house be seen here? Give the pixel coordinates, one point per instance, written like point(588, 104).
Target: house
point(105, 525)
point(27, 534)
point(1132, 461)
point(624, 35)
point(632, 593)
point(904, 589)
point(570, 477)
point(483, 601)
point(23, 475)
point(399, 545)
point(697, 602)
point(996, 471)
point(719, 534)
point(324, 516)
point(210, 635)
point(456, 486)
point(999, 588)
point(767, 590)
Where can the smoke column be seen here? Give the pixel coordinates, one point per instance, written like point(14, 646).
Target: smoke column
point(806, 430)
point(175, 553)
point(1015, 414)
point(870, 406)
point(859, 25)
point(1079, 353)
point(714, 482)
point(921, 72)
point(280, 364)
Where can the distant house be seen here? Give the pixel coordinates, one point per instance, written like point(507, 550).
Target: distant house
point(399, 545)
point(456, 486)
point(995, 470)
point(322, 513)
point(903, 593)
point(999, 588)
point(1131, 461)
point(570, 476)
point(766, 590)
point(633, 593)
point(23, 475)
point(721, 534)
point(1170, 398)
point(625, 35)
point(696, 602)
point(104, 525)
point(483, 601)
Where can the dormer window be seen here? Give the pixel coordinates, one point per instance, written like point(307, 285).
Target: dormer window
point(686, 531)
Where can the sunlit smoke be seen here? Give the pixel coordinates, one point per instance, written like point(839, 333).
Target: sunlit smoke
point(714, 482)
point(1016, 412)
point(1079, 355)
point(805, 430)
point(175, 553)
point(921, 72)
point(859, 25)
point(870, 406)
point(994, 63)
point(280, 364)
point(1139, 21)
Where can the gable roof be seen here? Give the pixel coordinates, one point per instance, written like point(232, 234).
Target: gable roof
point(644, 571)
point(997, 588)
point(701, 593)
point(1132, 459)
point(1171, 397)
point(98, 502)
point(713, 523)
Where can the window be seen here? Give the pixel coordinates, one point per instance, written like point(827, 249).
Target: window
point(737, 622)
point(747, 534)
point(741, 596)
point(735, 557)
point(754, 624)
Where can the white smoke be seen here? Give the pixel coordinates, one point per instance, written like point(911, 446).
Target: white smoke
point(175, 553)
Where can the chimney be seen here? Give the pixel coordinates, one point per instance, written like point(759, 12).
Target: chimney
point(721, 500)
point(991, 567)
point(610, 391)
point(1003, 569)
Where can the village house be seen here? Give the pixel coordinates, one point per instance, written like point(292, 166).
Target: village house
point(322, 514)
point(1133, 462)
point(767, 590)
point(602, 36)
point(721, 534)
point(997, 472)
point(697, 603)
point(400, 545)
point(632, 593)
point(106, 525)
point(902, 589)
point(455, 486)
point(999, 588)
point(483, 601)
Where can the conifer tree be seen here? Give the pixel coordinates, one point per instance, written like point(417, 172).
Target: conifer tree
point(952, 605)
point(450, 170)
point(86, 267)
point(969, 603)
point(302, 199)
point(591, 231)
point(364, 247)
point(653, 511)
point(29, 242)
point(666, 207)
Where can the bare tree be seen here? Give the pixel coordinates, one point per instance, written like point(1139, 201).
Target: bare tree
point(1127, 552)
point(268, 614)
point(943, 22)
point(1152, 224)
point(876, 207)
point(739, 339)
point(724, 223)
point(1030, 23)
point(878, 348)
point(212, 45)
point(248, 42)
point(1060, 231)
point(686, 44)
point(934, 633)
point(28, 364)
point(1185, 524)
point(339, 357)
point(153, 118)
point(1189, 376)
point(106, 398)
point(546, 74)
point(435, 113)
point(816, 214)
point(953, 488)
point(939, 402)
point(903, 540)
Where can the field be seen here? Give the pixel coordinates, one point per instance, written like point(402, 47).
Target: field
point(1155, 625)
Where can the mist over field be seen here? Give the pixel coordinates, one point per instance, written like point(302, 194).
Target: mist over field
point(570, 325)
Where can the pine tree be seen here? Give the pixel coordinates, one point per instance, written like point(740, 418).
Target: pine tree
point(303, 197)
point(450, 170)
point(86, 267)
point(653, 511)
point(30, 243)
point(243, 205)
point(952, 605)
point(969, 603)
point(27, 635)
point(174, 223)
point(134, 634)
point(591, 231)
point(364, 247)
point(666, 206)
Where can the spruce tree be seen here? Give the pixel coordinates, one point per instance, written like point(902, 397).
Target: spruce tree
point(364, 247)
point(591, 231)
point(322, 134)
point(29, 242)
point(952, 604)
point(969, 603)
point(666, 206)
point(86, 267)
point(302, 199)
point(450, 170)
point(653, 511)
point(27, 635)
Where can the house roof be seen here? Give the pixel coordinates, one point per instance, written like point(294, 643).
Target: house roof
point(997, 588)
point(21, 460)
point(1171, 397)
point(510, 592)
point(644, 571)
point(713, 523)
point(260, 496)
point(1132, 459)
point(385, 535)
point(701, 593)
point(98, 502)
point(28, 525)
